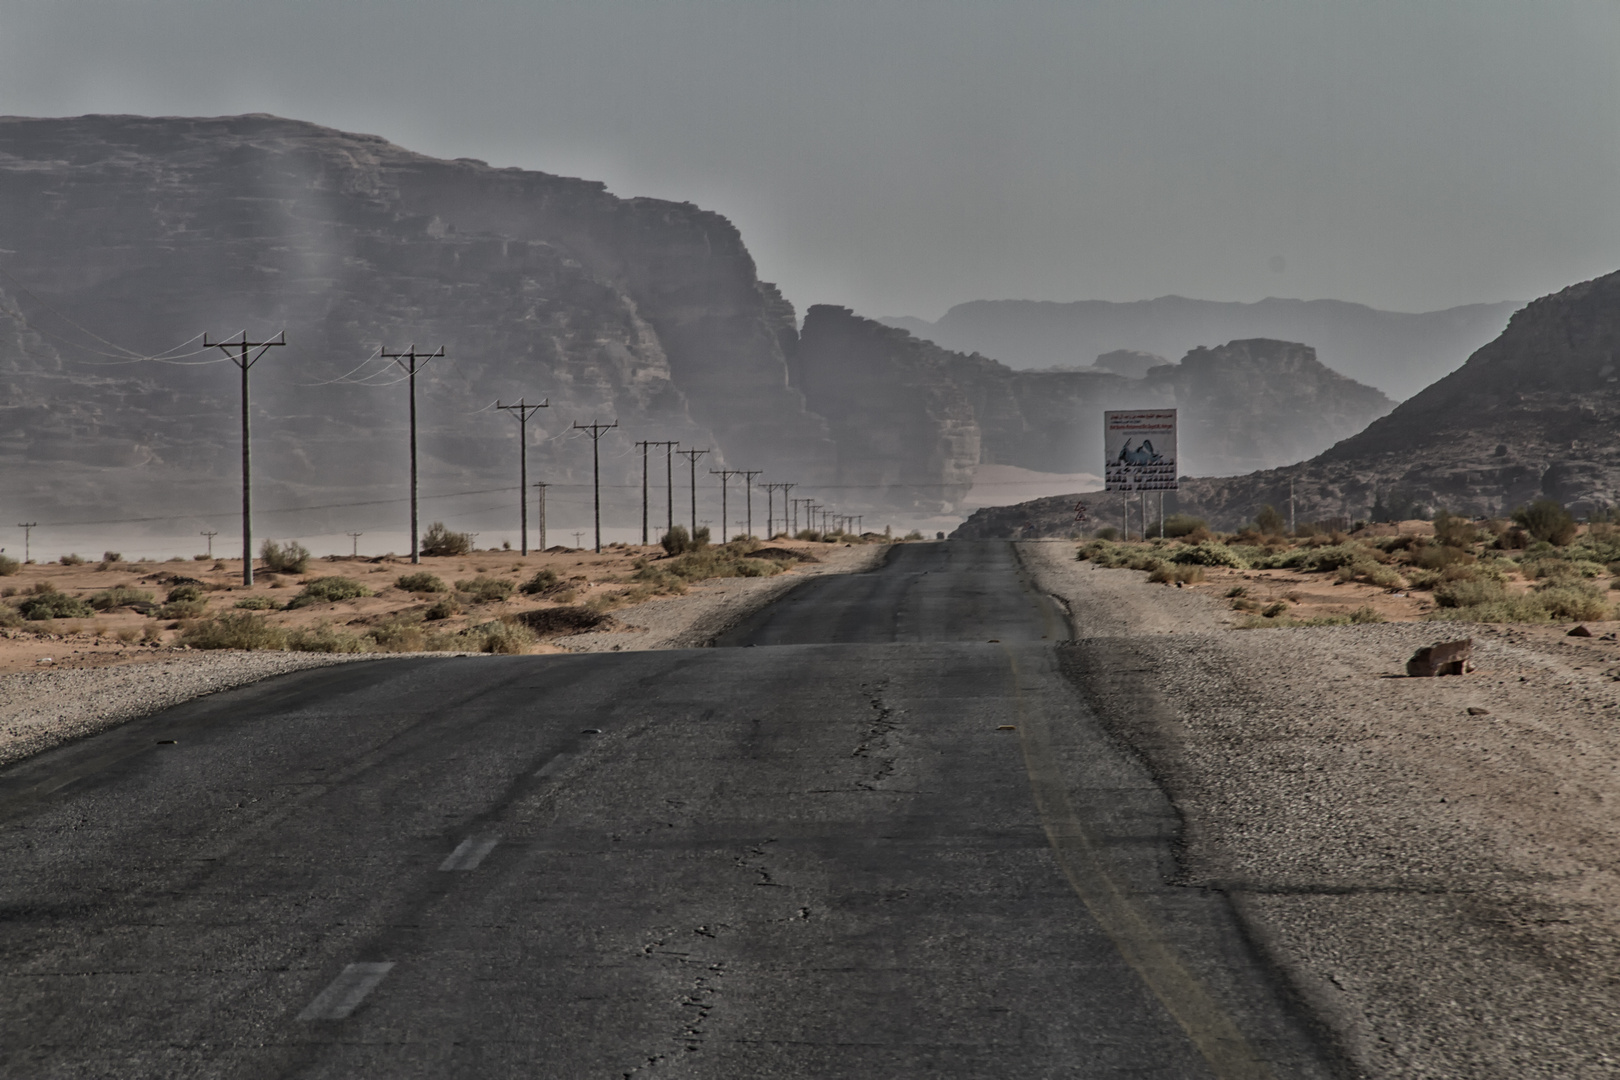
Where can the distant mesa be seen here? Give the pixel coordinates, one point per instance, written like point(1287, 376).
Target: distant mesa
point(1131, 363)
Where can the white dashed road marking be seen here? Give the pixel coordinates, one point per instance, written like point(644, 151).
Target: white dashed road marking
point(469, 853)
point(346, 993)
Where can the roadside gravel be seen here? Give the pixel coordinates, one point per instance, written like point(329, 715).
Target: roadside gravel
point(1440, 886)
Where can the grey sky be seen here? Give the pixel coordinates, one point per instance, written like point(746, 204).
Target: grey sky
point(899, 157)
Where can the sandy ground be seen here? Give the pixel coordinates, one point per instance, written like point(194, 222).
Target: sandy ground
point(93, 681)
point(1433, 862)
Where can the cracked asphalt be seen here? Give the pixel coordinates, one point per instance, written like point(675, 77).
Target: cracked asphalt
point(887, 841)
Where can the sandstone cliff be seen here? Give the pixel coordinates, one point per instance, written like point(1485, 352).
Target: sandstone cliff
point(934, 414)
point(1532, 413)
point(145, 232)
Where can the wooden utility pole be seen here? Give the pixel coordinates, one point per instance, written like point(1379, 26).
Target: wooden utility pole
point(210, 534)
point(748, 488)
point(770, 505)
point(725, 476)
point(597, 431)
point(522, 411)
point(542, 486)
point(692, 457)
point(28, 528)
point(1291, 526)
point(241, 359)
point(354, 550)
point(412, 362)
point(669, 480)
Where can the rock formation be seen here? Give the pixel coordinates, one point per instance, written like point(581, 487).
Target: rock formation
point(929, 415)
point(145, 232)
point(1532, 413)
point(1398, 352)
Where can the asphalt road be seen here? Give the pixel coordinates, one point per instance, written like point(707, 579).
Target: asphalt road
point(822, 856)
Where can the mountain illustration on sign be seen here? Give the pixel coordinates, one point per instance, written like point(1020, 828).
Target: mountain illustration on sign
point(1142, 455)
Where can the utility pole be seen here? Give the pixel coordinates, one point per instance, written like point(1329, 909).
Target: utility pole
point(542, 486)
point(244, 362)
point(577, 535)
point(210, 534)
point(1291, 527)
point(597, 431)
point(354, 549)
point(522, 410)
point(724, 475)
point(669, 479)
point(858, 519)
point(28, 528)
point(770, 506)
point(692, 456)
point(748, 488)
point(408, 360)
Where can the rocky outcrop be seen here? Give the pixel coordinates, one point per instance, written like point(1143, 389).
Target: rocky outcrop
point(145, 232)
point(1398, 352)
point(1534, 412)
point(931, 415)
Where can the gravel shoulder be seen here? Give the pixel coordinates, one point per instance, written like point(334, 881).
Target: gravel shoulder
point(46, 707)
point(1440, 886)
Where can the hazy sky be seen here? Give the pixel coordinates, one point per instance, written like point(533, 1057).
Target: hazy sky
point(899, 157)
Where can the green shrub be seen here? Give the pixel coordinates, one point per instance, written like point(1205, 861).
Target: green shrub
point(289, 558)
point(328, 590)
point(1269, 520)
point(543, 581)
point(184, 592)
point(1208, 554)
point(484, 589)
point(444, 609)
point(1460, 594)
point(234, 632)
point(421, 582)
point(47, 603)
point(112, 556)
point(182, 609)
point(729, 560)
point(1107, 532)
point(510, 638)
point(439, 540)
point(1575, 600)
point(1546, 520)
point(1177, 525)
point(258, 603)
point(71, 560)
point(8, 566)
point(1438, 557)
point(399, 634)
point(678, 541)
point(1454, 531)
point(119, 596)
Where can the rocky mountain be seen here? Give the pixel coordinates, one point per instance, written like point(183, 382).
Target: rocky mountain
point(1534, 412)
point(1398, 352)
point(125, 236)
point(908, 414)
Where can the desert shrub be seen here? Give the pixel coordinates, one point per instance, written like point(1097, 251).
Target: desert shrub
point(119, 596)
point(1372, 573)
point(421, 582)
point(1458, 594)
point(1546, 520)
point(1272, 610)
point(509, 638)
point(8, 566)
point(1107, 532)
point(10, 616)
point(729, 560)
point(444, 609)
point(399, 634)
point(112, 556)
point(1367, 614)
point(678, 541)
point(327, 590)
point(1167, 573)
point(126, 635)
point(1208, 554)
point(257, 603)
point(243, 631)
point(185, 602)
point(1560, 569)
point(1269, 520)
point(439, 540)
point(325, 639)
point(1573, 600)
point(185, 591)
point(484, 589)
point(71, 560)
point(289, 558)
point(47, 603)
point(1454, 531)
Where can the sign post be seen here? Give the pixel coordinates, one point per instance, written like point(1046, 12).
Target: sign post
point(1139, 447)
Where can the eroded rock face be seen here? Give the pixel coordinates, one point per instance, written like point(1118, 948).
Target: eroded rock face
point(1534, 412)
point(150, 231)
point(935, 413)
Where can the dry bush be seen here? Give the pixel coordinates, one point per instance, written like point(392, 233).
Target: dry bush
point(439, 541)
point(421, 582)
point(243, 631)
point(327, 590)
point(484, 589)
point(289, 558)
point(119, 596)
point(257, 603)
point(325, 639)
point(71, 560)
point(8, 566)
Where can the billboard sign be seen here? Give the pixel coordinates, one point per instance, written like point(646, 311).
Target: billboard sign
point(1140, 445)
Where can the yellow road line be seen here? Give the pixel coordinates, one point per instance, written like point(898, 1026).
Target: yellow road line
point(1212, 1031)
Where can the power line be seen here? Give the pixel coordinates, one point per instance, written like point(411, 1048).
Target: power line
point(245, 363)
point(597, 431)
point(523, 411)
point(407, 360)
